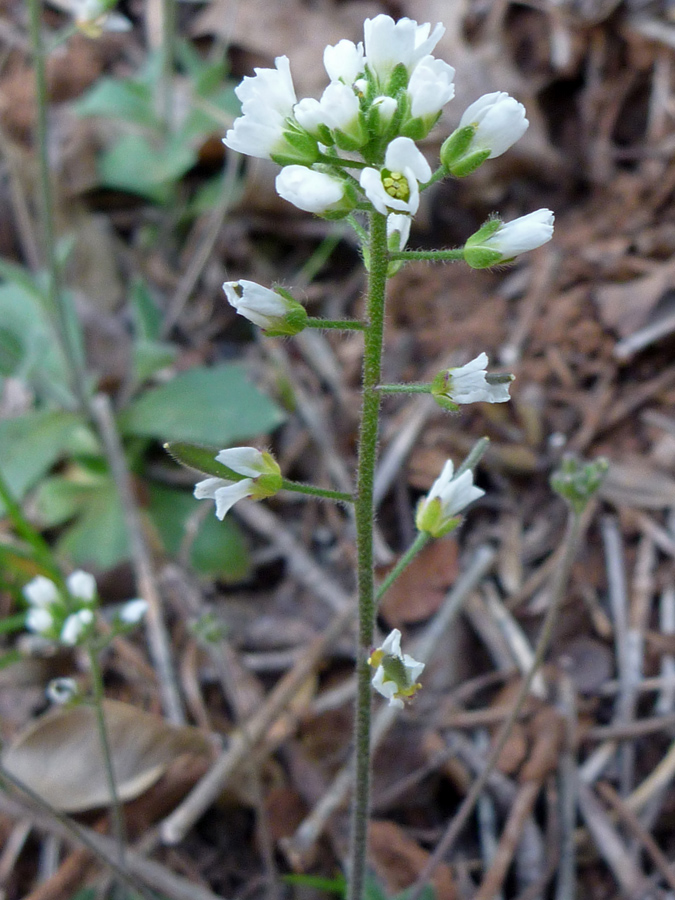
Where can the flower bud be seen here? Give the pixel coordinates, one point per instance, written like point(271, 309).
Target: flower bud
point(273, 311)
point(437, 512)
point(498, 242)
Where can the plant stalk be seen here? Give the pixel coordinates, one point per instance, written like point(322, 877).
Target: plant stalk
point(364, 515)
point(116, 812)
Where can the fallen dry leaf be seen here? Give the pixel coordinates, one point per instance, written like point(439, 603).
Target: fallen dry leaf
point(398, 861)
point(59, 755)
point(419, 591)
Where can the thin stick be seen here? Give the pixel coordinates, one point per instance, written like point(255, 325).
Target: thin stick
point(158, 638)
point(575, 528)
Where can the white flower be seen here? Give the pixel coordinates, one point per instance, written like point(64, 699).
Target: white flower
point(396, 673)
point(75, 626)
point(62, 690)
point(261, 478)
point(499, 121)
point(437, 512)
point(40, 620)
point(396, 186)
point(499, 242)
point(267, 101)
point(337, 109)
point(81, 586)
point(344, 61)
point(398, 231)
point(268, 309)
point(133, 611)
point(430, 87)
point(41, 592)
point(312, 191)
point(469, 384)
point(389, 43)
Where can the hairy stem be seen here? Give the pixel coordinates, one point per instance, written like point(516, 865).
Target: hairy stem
point(364, 514)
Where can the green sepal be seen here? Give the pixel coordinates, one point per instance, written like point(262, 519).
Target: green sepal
point(577, 482)
point(398, 80)
point(482, 257)
point(292, 323)
point(469, 164)
point(430, 518)
point(455, 147)
point(201, 459)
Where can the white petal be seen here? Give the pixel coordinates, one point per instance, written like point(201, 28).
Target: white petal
point(206, 489)
point(402, 153)
point(392, 643)
point(312, 191)
point(227, 496)
point(243, 460)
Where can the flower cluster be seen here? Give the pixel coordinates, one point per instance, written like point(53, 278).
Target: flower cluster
point(252, 473)
point(69, 616)
point(396, 673)
point(384, 94)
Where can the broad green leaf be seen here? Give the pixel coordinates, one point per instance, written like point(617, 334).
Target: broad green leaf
point(217, 406)
point(31, 444)
point(219, 549)
point(124, 99)
point(135, 164)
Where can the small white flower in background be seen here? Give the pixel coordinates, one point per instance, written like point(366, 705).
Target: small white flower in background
point(488, 128)
point(41, 592)
point(499, 242)
point(470, 383)
point(395, 188)
point(430, 87)
point(261, 477)
point(81, 586)
point(40, 620)
point(275, 313)
point(396, 673)
point(93, 17)
point(344, 61)
point(389, 43)
point(315, 192)
point(133, 611)
point(62, 690)
point(398, 231)
point(76, 626)
point(437, 512)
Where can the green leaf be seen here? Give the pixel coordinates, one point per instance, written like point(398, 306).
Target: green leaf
point(31, 445)
point(219, 549)
point(217, 407)
point(136, 165)
point(125, 99)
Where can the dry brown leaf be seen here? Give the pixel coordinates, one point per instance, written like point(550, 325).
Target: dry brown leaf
point(419, 591)
point(635, 483)
point(59, 754)
point(627, 307)
point(398, 861)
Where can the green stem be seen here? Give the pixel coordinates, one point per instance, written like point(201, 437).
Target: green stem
point(313, 491)
point(364, 515)
point(404, 388)
point(116, 812)
point(416, 547)
point(339, 324)
point(67, 328)
point(430, 255)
